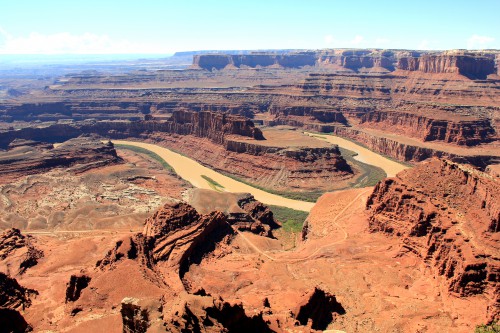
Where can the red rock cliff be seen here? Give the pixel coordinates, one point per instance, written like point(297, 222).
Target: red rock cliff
point(447, 215)
point(468, 65)
point(212, 125)
point(461, 132)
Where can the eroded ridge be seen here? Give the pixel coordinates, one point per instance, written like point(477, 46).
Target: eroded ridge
point(447, 215)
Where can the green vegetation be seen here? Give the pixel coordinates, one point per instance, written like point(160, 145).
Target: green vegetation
point(147, 152)
point(212, 183)
point(370, 175)
point(492, 328)
point(291, 219)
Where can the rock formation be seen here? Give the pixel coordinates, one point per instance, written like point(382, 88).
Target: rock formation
point(207, 314)
point(447, 215)
point(243, 212)
point(13, 298)
point(469, 64)
point(85, 152)
point(472, 66)
point(178, 236)
point(75, 286)
point(14, 245)
point(12, 295)
point(318, 308)
point(141, 315)
point(205, 124)
point(461, 132)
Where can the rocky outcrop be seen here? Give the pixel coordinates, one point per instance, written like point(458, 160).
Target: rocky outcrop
point(319, 308)
point(135, 319)
point(75, 286)
point(173, 238)
point(241, 209)
point(472, 66)
point(447, 215)
point(179, 236)
point(207, 314)
point(14, 243)
point(12, 321)
point(309, 112)
point(141, 315)
point(133, 248)
point(212, 125)
point(83, 151)
point(12, 295)
point(461, 132)
point(262, 221)
point(13, 298)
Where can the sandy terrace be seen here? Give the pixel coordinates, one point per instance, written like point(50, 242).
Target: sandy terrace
point(285, 136)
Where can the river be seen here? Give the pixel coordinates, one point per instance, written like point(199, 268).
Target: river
point(364, 155)
point(193, 171)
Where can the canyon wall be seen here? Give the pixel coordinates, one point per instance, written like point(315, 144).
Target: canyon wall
point(408, 152)
point(476, 65)
point(227, 143)
point(400, 88)
point(460, 132)
point(52, 111)
point(447, 215)
point(470, 66)
point(319, 114)
point(212, 125)
point(220, 61)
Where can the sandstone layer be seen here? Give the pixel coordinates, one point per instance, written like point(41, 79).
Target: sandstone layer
point(34, 158)
point(240, 148)
point(469, 64)
point(447, 215)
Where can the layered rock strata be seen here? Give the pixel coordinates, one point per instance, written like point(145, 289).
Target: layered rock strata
point(469, 64)
point(175, 237)
point(447, 215)
point(212, 125)
point(85, 152)
point(461, 132)
point(234, 138)
point(13, 244)
point(241, 209)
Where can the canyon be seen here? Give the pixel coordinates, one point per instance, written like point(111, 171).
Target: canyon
point(370, 180)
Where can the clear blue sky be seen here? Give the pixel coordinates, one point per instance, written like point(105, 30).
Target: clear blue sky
point(156, 26)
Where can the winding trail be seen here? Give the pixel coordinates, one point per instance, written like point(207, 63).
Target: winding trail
point(193, 171)
point(312, 255)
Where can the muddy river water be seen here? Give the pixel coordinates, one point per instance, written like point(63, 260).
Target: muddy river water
point(364, 155)
point(193, 171)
